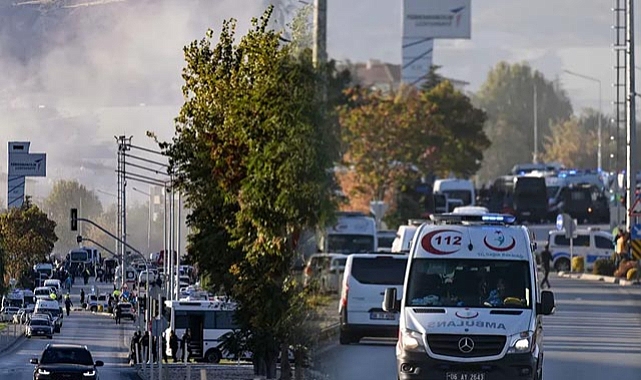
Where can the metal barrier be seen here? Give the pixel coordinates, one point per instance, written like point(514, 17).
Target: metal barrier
point(10, 334)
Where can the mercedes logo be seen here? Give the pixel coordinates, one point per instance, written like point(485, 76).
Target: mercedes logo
point(466, 345)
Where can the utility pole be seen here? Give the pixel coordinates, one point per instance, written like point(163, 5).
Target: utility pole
point(631, 143)
point(535, 157)
point(320, 32)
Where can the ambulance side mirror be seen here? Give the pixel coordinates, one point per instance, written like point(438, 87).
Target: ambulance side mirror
point(390, 304)
point(547, 305)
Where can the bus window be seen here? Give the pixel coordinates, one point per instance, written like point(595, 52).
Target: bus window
point(225, 320)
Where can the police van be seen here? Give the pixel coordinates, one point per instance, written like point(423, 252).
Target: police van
point(471, 306)
point(591, 244)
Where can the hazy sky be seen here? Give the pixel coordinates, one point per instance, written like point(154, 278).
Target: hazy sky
point(136, 55)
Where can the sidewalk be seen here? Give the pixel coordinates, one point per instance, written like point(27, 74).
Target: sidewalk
point(598, 277)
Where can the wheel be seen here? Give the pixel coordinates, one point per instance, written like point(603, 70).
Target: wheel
point(213, 356)
point(562, 264)
point(345, 338)
point(28, 336)
point(50, 337)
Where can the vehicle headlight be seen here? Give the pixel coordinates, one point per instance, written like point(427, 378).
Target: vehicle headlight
point(43, 372)
point(90, 373)
point(411, 341)
point(521, 343)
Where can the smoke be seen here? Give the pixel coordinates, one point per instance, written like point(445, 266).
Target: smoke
point(76, 73)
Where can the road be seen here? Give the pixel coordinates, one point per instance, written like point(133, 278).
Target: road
point(593, 335)
point(98, 332)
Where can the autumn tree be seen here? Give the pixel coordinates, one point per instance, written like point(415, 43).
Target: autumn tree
point(250, 153)
point(508, 98)
point(64, 196)
point(392, 139)
point(27, 236)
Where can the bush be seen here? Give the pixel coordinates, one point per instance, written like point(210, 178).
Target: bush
point(578, 264)
point(624, 266)
point(632, 274)
point(604, 267)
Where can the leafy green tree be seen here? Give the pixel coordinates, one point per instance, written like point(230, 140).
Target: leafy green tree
point(508, 98)
point(64, 196)
point(251, 157)
point(27, 237)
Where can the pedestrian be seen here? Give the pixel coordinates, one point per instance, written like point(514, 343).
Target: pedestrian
point(82, 296)
point(163, 348)
point(185, 346)
point(173, 345)
point(133, 348)
point(154, 349)
point(118, 314)
point(144, 342)
point(546, 260)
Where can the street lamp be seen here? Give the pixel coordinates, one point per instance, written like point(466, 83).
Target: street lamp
point(148, 217)
point(596, 80)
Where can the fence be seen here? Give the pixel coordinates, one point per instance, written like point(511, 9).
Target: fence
point(10, 334)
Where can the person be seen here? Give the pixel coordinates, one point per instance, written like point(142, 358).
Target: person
point(82, 296)
point(496, 296)
point(134, 348)
point(118, 314)
point(184, 346)
point(163, 348)
point(68, 304)
point(144, 341)
point(68, 283)
point(546, 260)
point(173, 345)
point(154, 349)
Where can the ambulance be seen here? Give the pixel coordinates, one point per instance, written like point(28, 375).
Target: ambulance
point(471, 307)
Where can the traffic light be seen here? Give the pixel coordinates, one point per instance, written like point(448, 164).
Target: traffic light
point(74, 219)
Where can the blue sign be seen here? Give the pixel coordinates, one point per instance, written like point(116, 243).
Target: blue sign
point(635, 232)
point(559, 222)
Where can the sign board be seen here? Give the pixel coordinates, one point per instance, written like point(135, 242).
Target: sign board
point(635, 248)
point(417, 59)
point(437, 18)
point(635, 232)
point(635, 210)
point(159, 324)
point(28, 164)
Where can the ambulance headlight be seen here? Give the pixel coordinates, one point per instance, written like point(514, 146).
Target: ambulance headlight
point(521, 343)
point(411, 341)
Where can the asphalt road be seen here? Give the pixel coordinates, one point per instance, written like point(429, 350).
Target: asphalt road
point(593, 335)
point(98, 332)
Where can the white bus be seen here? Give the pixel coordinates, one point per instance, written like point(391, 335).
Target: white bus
point(207, 321)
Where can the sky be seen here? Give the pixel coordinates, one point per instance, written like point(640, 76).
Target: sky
point(108, 77)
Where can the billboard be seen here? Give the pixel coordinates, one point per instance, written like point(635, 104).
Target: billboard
point(28, 164)
point(437, 18)
point(417, 60)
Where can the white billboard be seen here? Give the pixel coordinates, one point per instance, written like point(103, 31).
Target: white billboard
point(417, 60)
point(437, 18)
point(28, 164)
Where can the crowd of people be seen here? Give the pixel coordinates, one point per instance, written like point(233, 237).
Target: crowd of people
point(140, 346)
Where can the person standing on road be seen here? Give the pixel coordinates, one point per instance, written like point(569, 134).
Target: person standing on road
point(184, 346)
point(546, 260)
point(82, 296)
point(173, 345)
point(118, 314)
point(68, 304)
point(134, 348)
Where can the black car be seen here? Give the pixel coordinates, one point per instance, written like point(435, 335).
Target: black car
point(39, 327)
point(65, 361)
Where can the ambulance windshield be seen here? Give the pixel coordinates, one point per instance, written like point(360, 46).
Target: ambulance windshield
point(469, 283)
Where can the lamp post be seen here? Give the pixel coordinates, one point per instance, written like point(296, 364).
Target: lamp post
point(599, 128)
point(148, 216)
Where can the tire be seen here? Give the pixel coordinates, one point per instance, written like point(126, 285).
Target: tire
point(50, 337)
point(28, 336)
point(562, 264)
point(345, 338)
point(213, 356)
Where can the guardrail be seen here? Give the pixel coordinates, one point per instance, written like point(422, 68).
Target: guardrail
point(10, 334)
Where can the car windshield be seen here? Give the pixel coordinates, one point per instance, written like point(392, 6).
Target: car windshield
point(66, 355)
point(350, 243)
point(469, 283)
point(39, 322)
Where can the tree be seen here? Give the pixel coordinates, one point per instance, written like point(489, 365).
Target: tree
point(64, 196)
point(393, 139)
point(27, 237)
point(250, 155)
point(508, 98)
point(574, 142)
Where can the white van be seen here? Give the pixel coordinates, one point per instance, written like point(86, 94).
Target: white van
point(54, 283)
point(455, 188)
point(403, 238)
point(471, 307)
point(53, 308)
point(43, 293)
point(354, 232)
point(591, 244)
point(365, 279)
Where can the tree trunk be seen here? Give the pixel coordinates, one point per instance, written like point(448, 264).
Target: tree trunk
point(299, 365)
point(285, 368)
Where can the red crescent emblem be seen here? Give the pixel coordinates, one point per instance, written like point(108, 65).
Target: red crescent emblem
point(500, 249)
point(426, 243)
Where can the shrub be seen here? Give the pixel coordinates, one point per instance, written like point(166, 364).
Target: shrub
point(578, 264)
point(604, 267)
point(624, 266)
point(632, 274)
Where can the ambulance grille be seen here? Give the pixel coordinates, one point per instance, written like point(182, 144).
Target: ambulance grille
point(448, 345)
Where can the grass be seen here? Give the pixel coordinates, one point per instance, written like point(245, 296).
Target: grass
point(319, 300)
point(3, 325)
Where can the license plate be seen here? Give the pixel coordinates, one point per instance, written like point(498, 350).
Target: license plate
point(383, 316)
point(465, 376)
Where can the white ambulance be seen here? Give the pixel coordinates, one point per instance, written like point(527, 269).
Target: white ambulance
point(471, 306)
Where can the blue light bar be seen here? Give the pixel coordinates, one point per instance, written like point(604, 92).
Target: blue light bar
point(498, 218)
point(478, 218)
